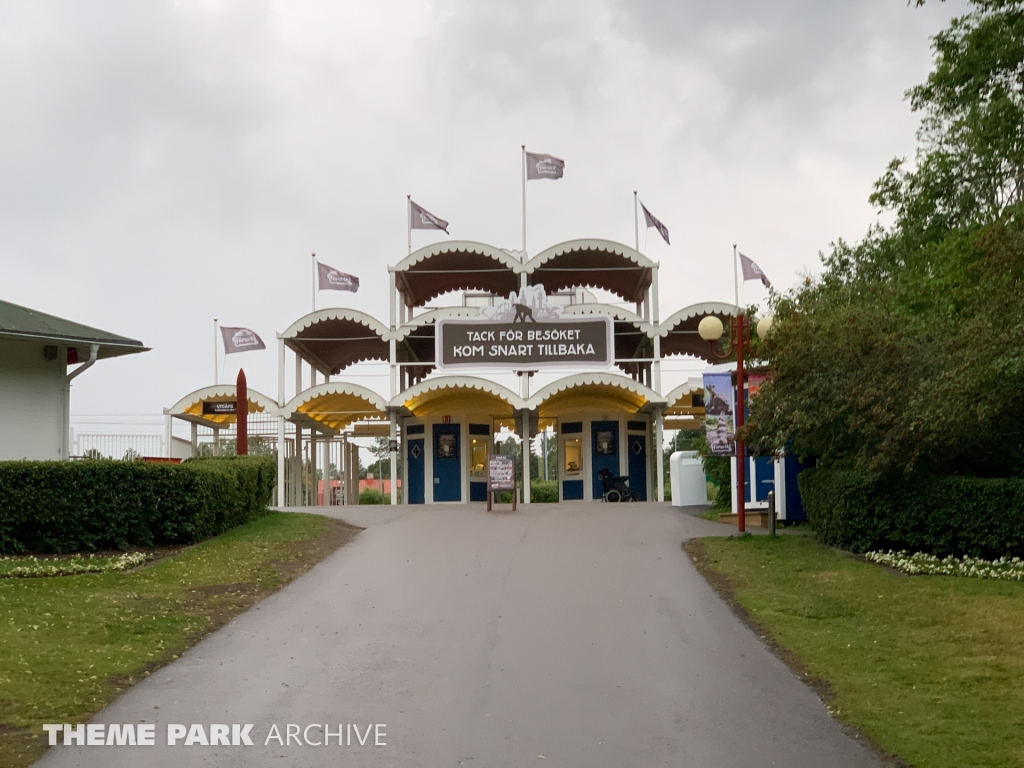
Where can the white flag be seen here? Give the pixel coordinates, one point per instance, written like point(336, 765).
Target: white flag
point(753, 272)
point(240, 340)
point(421, 218)
point(653, 222)
point(543, 167)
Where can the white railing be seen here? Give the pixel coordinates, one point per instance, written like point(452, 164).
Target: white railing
point(117, 446)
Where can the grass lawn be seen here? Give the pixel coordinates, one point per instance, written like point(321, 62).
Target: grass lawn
point(72, 643)
point(929, 667)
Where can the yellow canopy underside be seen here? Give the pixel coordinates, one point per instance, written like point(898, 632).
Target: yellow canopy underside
point(454, 400)
point(591, 397)
point(220, 419)
point(338, 410)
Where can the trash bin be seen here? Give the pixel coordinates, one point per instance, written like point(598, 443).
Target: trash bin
point(686, 476)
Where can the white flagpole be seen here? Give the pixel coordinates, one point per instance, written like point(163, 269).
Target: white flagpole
point(735, 274)
point(524, 202)
point(215, 334)
point(408, 219)
point(314, 282)
point(636, 223)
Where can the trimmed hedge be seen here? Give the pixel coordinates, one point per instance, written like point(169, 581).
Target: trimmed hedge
point(980, 517)
point(69, 506)
point(543, 491)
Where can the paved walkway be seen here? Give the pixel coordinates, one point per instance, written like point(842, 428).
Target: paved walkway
point(575, 635)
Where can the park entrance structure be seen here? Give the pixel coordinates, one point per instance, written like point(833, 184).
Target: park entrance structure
point(459, 377)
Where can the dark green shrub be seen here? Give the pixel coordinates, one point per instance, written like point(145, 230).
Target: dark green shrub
point(52, 506)
point(543, 491)
point(373, 496)
point(981, 517)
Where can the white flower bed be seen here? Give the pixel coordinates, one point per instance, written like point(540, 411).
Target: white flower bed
point(1005, 568)
point(29, 567)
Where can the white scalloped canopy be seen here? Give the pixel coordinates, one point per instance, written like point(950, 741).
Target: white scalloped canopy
point(335, 338)
point(679, 331)
point(190, 407)
point(593, 391)
point(455, 265)
point(335, 405)
point(457, 394)
point(592, 263)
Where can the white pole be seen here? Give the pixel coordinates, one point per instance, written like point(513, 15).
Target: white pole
point(314, 282)
point(408, 219)
point(735, 274)
point(215, 332)
point(281, 498)
point(636, 223)
point(393, 456)
point(659, 437)
point(524, 203)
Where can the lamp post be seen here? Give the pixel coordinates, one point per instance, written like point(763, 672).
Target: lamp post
point(711, 329)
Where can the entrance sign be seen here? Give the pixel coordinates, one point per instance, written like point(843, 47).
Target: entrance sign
point(524, 330)
point(501, 476)
point(214, 407)
point(718, 410)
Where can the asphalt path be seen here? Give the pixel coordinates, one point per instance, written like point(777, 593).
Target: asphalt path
point(575, 635)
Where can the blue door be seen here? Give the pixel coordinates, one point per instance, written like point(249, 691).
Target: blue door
point(447, 463)
point(761, 470)
point(637, 447)
point(415, 461)
point(604, 451)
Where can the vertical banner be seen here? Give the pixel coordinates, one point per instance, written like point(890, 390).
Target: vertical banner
point(719, 407)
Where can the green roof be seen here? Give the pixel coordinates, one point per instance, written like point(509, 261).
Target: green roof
point(17, 322)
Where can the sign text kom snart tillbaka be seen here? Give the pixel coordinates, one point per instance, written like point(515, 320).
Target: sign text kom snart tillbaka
point(555, 344)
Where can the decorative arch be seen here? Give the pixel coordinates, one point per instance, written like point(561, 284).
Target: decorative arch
point(592, 263)
point(455, 265)
point(335, 405)
point(594, 391)
point(332, 339)
point(190, 407)
point(458, 393)
point(679, 332)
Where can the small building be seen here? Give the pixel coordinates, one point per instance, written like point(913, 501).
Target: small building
point(37, 351)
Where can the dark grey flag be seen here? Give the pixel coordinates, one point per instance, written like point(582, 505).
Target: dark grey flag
point(653, 222)
point(753, 272)
point(333, 280)
point(424, 219)
point(240, 340)
point(543, 167)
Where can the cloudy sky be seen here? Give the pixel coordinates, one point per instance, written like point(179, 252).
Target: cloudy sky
point(162, 163)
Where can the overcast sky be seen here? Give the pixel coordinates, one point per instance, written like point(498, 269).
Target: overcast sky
point(162, 163)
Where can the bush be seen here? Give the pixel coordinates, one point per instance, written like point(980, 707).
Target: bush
point(373, 496)
point(544, 491)
point(54, 506)
point(980, 517)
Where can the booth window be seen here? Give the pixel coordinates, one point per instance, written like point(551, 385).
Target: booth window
point(605, 443)
point(446, 447)
point(573, 455)
point(478, 456)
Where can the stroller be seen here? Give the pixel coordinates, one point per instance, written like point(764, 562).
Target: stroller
point(616, 488)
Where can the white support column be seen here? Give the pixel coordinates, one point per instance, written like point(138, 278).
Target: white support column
point(659, 451)
point(526, 456)
point(343, 468)
point(298, 373)
point(195, 438)
point(653, 292)
point(280, 461)
point(393, 358)
point(299, 497)
point(281, 395)
point(394, 458)
point(313, 439)
point(326, 462)
point(656, 365)
point(216, 441)
point(168, 435)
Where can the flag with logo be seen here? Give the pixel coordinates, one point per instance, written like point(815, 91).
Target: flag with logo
point(543, 167)
point(753, 272)
point(240, 340)
point(333, 280)
point(421, 218)
point(653, 222)
point(719, 406)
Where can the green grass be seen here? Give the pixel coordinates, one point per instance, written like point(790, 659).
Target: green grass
point(72, 643)
point(929, 667)
point(714, 515)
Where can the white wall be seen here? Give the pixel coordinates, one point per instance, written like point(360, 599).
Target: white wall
point(32, 402)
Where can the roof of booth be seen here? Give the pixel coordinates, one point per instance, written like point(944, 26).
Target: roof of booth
point(456, 265)
point(21, 323)
point(594, 391)
point(333, 339)
point(457, 394)
point(190, 407)
point(679, 331)
point(335, 405)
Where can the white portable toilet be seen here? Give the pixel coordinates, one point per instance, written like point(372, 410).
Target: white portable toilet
point(686, 476)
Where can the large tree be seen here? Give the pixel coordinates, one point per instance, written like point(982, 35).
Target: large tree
point(905, 354)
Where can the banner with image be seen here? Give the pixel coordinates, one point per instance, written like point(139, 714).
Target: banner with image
point(719, 407)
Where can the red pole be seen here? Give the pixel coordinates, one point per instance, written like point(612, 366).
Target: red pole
point(741, 464)
point(241, 415)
